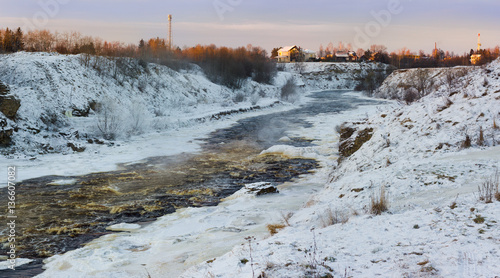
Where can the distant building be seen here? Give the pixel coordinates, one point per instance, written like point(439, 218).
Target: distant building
point(475, 58)
point(287, 54)
point(309, 55)
point(294, 53)
point(346, 56)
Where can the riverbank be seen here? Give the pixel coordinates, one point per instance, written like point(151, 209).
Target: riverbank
point(432, 161)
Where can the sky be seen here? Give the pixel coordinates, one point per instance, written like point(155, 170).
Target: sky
point(414, 24)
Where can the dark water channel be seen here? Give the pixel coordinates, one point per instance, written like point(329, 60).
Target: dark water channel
point(58, 218)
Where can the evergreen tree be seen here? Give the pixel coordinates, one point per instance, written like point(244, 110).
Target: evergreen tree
point(18, 43)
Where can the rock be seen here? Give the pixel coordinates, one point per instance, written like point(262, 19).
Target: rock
point(9, 106)
point(261, 188)
point(3, 89)
point(6, 137)
point(76, 148)
point(81, 112)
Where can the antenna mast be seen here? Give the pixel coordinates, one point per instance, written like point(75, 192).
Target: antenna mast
point(478, 42)
point(170, 32)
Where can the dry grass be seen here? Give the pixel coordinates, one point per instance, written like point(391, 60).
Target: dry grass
point(467, 143)
point(331, 217)
point(379, 203)
point(480, 139)
point(274, 228)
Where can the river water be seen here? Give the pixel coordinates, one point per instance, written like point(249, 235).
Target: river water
point(59, 217)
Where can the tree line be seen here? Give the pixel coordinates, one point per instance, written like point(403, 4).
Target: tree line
point(406, 58)
point(226, 66)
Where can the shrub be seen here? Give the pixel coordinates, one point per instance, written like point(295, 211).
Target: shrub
point(379, 203)
point(489, 189)
point(289, 91)
point(239, 97)
point(410, 95)
point(254, 98)
point(108, 119)
point(370, 81)
point(286, 217)
point(138, 116)
point(450, 78)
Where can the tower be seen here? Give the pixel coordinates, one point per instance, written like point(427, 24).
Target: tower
point(170, 32)
point(478, 42)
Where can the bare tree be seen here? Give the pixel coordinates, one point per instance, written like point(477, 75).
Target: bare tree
point(450, 79)
point(108, 120)
point(422, 81)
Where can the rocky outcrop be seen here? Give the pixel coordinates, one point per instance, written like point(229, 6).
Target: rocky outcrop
point(8, 104)
point(352, 140)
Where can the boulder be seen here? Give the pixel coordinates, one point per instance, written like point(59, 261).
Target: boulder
point(76, 148)
point(9, 106)
point(261, 188)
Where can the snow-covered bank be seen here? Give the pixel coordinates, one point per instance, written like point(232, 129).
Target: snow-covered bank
point(436, 224)
point(331, 76)
point(58, 97)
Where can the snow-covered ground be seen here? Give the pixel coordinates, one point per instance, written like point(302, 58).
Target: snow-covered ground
point(436, 226)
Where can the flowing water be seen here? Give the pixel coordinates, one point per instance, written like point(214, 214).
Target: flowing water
point(62, 213)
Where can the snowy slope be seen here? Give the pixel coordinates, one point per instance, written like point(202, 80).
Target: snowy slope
point(50, 86)
point(56, 90)
point(433, 226)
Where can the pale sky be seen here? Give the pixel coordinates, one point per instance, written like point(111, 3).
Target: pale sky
point(415, 24)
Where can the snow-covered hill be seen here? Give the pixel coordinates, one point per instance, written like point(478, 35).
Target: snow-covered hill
point(58, 96)
point(438, 223)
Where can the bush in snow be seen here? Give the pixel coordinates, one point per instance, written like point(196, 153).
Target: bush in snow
point(421, 80)
point(239, 97)
point(410, 95)
point(108, 118)
point(370, 81)
point(489, 189)
point(139, 117)
point(254, 98)
point(289, 91)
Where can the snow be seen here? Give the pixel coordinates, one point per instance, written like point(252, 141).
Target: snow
point(174, 242)
point(415, 153)
point(432, 192)
point(182, 101)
